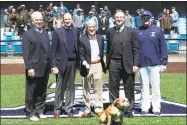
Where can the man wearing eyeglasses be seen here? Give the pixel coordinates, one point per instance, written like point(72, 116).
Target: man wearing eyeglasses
point(153, 58)
point(122, 60)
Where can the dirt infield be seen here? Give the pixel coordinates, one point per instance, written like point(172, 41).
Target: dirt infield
point(172, 67)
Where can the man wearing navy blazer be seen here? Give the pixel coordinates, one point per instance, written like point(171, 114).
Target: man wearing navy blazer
point(36, 55)
point(65, 60)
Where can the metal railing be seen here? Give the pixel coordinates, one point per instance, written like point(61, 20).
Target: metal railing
point(9, 48)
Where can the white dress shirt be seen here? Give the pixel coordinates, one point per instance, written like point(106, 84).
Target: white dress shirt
point(94, 49)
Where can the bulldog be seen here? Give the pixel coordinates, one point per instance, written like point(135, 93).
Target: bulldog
point(114, 111)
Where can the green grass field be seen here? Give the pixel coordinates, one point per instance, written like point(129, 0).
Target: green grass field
point(173, 87)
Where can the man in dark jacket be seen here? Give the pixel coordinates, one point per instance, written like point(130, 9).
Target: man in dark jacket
point(122, 60)
point(36, 55)
point(65, 60)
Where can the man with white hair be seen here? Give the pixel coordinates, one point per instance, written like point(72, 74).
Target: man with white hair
point(36, 55)
point(92, 65)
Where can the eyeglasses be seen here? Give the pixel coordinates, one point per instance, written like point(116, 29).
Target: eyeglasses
point(146, 17)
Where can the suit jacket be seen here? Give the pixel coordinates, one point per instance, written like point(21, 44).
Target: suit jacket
point(130, 53)
point(60, 48)
point(35, 52)
point(85, 52)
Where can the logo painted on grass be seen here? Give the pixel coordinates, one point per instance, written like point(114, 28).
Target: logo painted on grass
point(167, 108)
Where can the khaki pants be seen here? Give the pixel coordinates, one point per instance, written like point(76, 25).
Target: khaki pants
point(94, 76)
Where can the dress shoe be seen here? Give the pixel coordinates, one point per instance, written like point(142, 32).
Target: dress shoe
point(157, 114)
point(69, 114)
point(144, 113)
point(56, 115)
point(129, 115)
point(85, 114)
point(98, 114)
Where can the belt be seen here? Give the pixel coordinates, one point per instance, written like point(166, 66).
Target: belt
point(95, 62)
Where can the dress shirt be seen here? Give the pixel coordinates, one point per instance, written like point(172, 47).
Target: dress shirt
point(94, 49)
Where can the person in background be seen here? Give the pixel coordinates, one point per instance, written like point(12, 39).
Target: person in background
point(103, 23)
point(160, 16)
point(36, 55)
point(91, 16)
point(7, 21)
point(128, 19)
point(65, 61)
point(24, 13)
point(92, 65)
point(14, 17)
point(138, 21)
point(75, 10)
point(153, 59)
point(62, 8)
point(107, 12)
point(21, 26)
point(166, 23)
point(175, 17)
point(58, 21)
point(78, 21)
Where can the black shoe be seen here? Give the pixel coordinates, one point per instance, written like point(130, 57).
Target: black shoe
point(157, 114)
point(129, 114)
point(144, 113)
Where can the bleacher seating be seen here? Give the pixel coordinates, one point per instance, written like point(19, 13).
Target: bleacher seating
point(9, 38)
point(17, 47)
point(4, 47)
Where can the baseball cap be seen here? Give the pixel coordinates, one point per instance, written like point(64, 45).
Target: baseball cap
point(41, 6)
point(90, 12)
point(6, 10)
point(146, 13)
point(22, 5)
point(93, 6)
point(78, 9)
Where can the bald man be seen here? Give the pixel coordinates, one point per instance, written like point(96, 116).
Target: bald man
point(36, 55)
point(92, 65)
point(65, 60)
point(122, 60)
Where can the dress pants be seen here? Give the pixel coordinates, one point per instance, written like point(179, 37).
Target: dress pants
point(35, 97)
point(95, 76)
point(65, 83)
point(116, 73)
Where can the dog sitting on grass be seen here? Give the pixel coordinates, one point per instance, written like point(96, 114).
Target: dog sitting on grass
point(114, 111)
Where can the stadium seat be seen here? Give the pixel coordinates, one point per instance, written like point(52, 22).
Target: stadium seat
point(8, 37)
point(17, 47)
point(4, 47)
point(15, 37)
point(173, 45)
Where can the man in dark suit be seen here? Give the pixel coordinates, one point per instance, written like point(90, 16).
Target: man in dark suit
point(36, 55)
point(122, 60)
point(92, 65)
point(65, 60)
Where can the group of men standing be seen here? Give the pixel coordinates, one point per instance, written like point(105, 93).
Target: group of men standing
point(127, 51)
